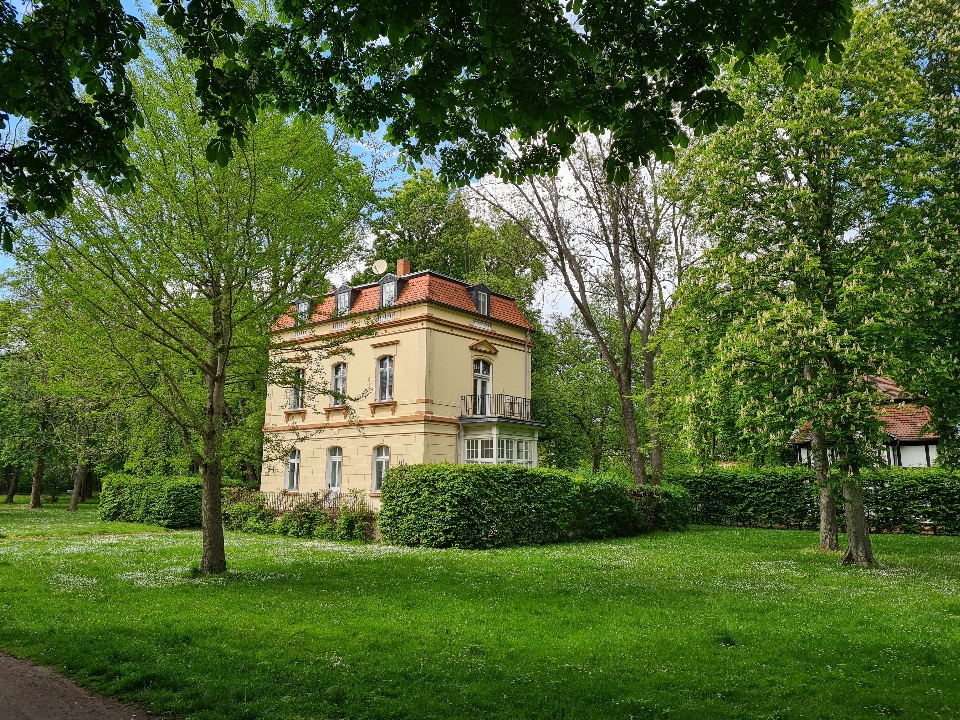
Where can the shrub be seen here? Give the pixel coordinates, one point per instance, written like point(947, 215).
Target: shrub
point(896, 499)
point(605, 508)
point(171, 502)
point(311, 517)
point(475, 506)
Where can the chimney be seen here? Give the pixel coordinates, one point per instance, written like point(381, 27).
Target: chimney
point(403, 267)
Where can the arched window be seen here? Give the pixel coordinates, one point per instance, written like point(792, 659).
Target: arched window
point(339, 386)
point(381, 463)
point(385, 378)
point(293, 470)
point(334, 467)
point(482, 399)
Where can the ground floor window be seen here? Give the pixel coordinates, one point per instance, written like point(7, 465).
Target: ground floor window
point(293, 470)
point(505, 450)
point(525, 450)
point(334, 467)
point(381, 463)
point(479, 450)
point(508, 450)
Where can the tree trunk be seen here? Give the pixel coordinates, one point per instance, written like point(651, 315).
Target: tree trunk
point(11, 476)
point(637, 464)
point(37, 484)
point(653, 419)
point(214, 558)
point(87, 491)
point(80, 472)
point(829, 534)
point(859, 547)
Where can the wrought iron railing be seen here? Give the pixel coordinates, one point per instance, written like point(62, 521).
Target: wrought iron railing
point(500, 405)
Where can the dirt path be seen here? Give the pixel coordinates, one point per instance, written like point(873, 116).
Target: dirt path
point(28, 692)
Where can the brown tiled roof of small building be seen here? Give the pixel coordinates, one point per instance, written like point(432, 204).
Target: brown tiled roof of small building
point(903, 418)
point(419, 287)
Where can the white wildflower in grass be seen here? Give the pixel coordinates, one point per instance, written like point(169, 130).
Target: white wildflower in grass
point(71, 582)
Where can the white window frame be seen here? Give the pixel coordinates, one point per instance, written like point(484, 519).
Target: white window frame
point(525, 453)
point(391, 299)
point(339, 385)
point(506, 450)
point(486, 450)
point(334, 460)
point(482, 382)
point(381, 463)
point(292, 477)
point(385, 370)
point(298, 389)
point(483, 303)
point(303, 312)
point(343, 302)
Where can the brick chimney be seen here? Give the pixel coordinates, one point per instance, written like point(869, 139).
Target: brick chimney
point(403, 267)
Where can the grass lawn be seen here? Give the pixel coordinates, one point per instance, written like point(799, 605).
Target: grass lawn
point(18, 520)
point(711, 623)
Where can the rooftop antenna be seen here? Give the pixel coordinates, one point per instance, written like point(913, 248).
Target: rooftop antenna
point(380, 267)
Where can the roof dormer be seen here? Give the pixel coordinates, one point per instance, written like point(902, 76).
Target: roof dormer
point(345, 297)
point(480, 294)
point(390, 287)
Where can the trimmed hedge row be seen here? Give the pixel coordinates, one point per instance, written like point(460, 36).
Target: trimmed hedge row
point(171, 502)
point(486, 506)
point(897, 499)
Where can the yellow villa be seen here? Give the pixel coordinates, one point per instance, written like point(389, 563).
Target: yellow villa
point(448, 375)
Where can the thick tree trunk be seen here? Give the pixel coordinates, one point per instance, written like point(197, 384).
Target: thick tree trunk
point(37, 483)
point(653, 419)
point(829, 533)
point(11, 477)
point(80, 472)
point(214, 558)
point(637, 463)
point(859, 547)
point(87, 491)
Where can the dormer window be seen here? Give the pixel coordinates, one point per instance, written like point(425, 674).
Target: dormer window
point(480, 294)
point(388, 293)
point(303, 312)
point(343, 301)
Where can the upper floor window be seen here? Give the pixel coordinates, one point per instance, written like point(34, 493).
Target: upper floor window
point(385, 378)
point(297, 389)
point(381, 463)
point(481, 387)
point(339, 385)
point(303, 312)
point(388, 293)
point(483, 302)
point(334, 467)
point(293, 470)
point(343, 301)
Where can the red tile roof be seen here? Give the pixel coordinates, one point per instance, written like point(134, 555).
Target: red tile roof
point(420, 287)
point(903, 418)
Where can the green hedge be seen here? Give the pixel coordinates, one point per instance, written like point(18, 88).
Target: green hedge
point(486, 506)
point(896, 499)
point(171, 502)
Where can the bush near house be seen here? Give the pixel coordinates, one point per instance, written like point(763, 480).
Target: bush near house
point(313, 517)
point(487, 506)
point(171, 502)
point(897, 499)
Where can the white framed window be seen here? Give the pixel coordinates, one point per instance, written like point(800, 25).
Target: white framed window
point(473, 451)
point(483, 303)
point(525, 452)
point(334, 467)
point(482, 399)
point(385, 378)
point(388, 293)
point(297, 389)
point(339, 385)
point(293, 470)
point(343, 302)
point(303, 312)
point(505, 450)
point(381, 463)
point(486, 448)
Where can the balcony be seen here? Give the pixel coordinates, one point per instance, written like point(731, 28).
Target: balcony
point(496, 406)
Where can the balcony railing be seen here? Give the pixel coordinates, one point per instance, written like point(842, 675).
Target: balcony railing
point(499, 406)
